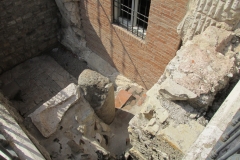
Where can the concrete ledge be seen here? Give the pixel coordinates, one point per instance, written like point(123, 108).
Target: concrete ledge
point(19, 141)
point(215, 128)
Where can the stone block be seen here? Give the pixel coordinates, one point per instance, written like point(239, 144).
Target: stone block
point(198, 67)
point(47, 117)
point(136, 154)
point(11, 22)
point(173, 91)
point(99, 92)
point(181, 136)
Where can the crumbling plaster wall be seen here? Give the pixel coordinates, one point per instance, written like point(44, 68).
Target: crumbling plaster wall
point(27, 28)
point(71, 33)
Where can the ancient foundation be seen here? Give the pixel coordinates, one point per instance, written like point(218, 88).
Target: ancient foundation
point(61, 100)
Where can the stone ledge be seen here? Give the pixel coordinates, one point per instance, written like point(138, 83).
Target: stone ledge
point(210, 135)
point(20, 142)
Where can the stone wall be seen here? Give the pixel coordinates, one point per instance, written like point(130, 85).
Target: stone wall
point(27, 28)
point(143, 61)
point(72, 34)
point(204, 13)
point(198, 68)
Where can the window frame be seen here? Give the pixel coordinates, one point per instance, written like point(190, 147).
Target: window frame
point(132, 24)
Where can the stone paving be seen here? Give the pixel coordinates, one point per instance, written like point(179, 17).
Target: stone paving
point(33, 82)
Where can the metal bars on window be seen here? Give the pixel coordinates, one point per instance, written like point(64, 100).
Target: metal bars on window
point(132, 15)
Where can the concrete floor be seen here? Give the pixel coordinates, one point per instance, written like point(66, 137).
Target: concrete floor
point(35, 81)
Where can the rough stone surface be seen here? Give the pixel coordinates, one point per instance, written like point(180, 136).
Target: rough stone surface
point(27, 28)
point(215, 128)
point(47, 117)
point(75, 136)
point(198, 65)
point(72, 35)
point(202, 13)
point(162, 129)
point(99, 92)
point(173, 91)
point(181, 136)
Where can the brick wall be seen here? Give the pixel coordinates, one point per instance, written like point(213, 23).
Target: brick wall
point(140, 60)
point(27, 27)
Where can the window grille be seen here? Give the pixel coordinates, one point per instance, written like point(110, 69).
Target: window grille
point(132, 15)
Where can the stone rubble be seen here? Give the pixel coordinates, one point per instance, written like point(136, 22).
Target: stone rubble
point(159, 131)
point(71, 128)
point(172, 116)
point(197, 68)
point(99, 92)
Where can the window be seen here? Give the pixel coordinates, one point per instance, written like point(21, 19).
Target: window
point(132, 15)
